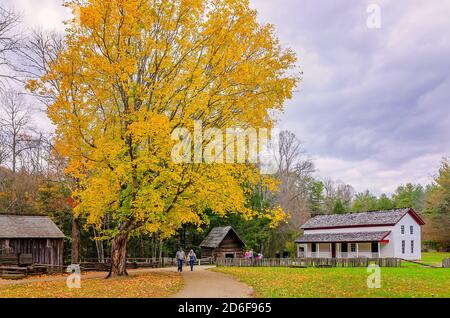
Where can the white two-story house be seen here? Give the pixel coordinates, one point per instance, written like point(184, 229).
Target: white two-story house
point(377, 234)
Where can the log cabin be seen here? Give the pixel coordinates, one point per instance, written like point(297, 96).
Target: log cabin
point(35, 235)
point(222, 242)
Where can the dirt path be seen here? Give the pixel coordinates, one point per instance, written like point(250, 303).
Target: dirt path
point(202, 283)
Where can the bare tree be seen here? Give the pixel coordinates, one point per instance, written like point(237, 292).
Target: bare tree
point(3, 148)
point(330, 195)
point(288, 151)
point(345, 193)
point(41, 49)
point(10, 42)
point(15, 123)
point(337, 190)
point(295, 171)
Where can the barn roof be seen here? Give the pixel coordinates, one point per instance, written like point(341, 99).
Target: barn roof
point(23, 226)
point(216, 236)
point(343, 237)
point(373, 218)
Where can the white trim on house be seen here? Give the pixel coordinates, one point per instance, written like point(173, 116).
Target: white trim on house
point(385, 247)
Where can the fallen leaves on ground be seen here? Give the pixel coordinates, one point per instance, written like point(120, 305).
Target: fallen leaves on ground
point(143, 285)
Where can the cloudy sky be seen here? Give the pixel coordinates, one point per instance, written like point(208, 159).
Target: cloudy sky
point(374, 106)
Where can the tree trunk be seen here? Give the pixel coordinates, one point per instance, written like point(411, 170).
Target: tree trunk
point(75, 240)
point(14, 153)
point(119, 256)
point(99, 247)
point(160, 250)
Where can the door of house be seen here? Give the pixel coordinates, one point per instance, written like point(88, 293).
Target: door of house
point(301, 251)
point(333, 250)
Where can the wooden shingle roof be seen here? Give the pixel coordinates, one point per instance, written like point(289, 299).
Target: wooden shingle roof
point(22, 226)
point(373, 218)
point(216, 236)
point(343, 237)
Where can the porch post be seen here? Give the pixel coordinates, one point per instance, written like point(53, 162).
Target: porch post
point(357, 250)
point(379, 250)
point(318, 250)
point(306, 250)
point(331, 250)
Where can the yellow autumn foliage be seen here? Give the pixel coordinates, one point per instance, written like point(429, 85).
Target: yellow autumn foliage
point(133, 71)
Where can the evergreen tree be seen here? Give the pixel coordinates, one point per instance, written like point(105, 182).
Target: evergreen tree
point(338, 207)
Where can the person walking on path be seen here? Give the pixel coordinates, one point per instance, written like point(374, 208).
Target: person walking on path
point(181, 256)
point(192, 258)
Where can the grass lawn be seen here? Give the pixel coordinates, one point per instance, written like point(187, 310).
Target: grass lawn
point(434, 258)
point(343, 282)
point(430, 258)
point(143, 285)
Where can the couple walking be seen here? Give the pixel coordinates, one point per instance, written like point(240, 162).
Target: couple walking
point(181, 258)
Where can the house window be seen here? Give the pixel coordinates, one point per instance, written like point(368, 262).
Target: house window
point(403, 247)
point(353, 247)
point(412, 247)
point(313, 247)
point(411, 229)
point(403, 229)
point(301, 251)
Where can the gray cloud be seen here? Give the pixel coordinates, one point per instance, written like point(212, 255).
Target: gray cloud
point(374, 103)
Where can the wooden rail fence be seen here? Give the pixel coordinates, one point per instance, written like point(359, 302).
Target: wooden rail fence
point(446, 262)
point(133, 263)
point(309, 262)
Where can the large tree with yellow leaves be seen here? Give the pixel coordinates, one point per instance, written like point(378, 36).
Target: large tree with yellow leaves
point(133, 71)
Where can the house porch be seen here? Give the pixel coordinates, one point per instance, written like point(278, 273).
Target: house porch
point(340, 250)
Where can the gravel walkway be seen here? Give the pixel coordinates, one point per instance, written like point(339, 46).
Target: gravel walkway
point(202, 283)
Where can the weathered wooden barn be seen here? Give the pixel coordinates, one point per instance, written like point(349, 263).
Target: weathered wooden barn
point(35, 235)
point(223, 242)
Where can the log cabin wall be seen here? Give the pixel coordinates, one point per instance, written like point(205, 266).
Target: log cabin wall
point(231, 244)
point(222, 241)
point(206, 252)
point(44, 251)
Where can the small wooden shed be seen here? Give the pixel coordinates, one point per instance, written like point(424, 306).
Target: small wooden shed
point(35, 235)
point(223, 242)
